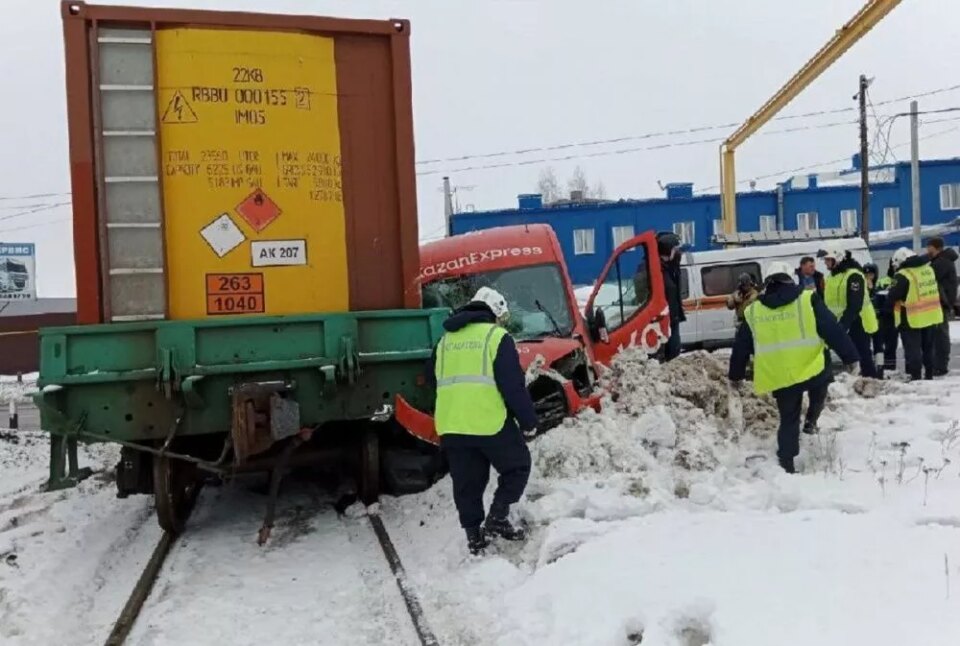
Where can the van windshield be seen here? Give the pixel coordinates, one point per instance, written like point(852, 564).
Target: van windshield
point(535, 295)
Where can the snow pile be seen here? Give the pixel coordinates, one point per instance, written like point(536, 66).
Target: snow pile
point(666, 520)
point(682, 414)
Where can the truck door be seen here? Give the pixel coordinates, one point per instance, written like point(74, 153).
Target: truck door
point(628, 306)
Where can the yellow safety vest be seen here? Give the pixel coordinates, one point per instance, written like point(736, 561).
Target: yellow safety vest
point(787, 348)
point(923, 298)
point(835, 298)
point(468, 401)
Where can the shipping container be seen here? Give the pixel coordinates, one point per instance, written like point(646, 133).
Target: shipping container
point(245, 233)
point(237, 163)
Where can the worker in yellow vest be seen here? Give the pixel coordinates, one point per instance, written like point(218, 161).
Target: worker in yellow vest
point(847, 297)
point(787, 331)
point(916, 310)
point(482, 406)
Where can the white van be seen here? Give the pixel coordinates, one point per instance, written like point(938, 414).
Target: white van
point(708, 277)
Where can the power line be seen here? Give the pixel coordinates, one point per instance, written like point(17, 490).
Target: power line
point(879, 137)
point(31, 197)
point(782, 173)
point(38, 209)
point(35, 225)
point(668, 133)
point(623, 151)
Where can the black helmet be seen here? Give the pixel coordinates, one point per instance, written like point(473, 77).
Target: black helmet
point(667, 241)
point(871, 268)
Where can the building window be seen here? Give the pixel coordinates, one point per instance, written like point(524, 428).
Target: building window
point(891, 218)
point(685, 232)
point(809, 221)
point(583, 242)
point(949, 197)
point(848, 219)
point(622, 234)
point(768, 223)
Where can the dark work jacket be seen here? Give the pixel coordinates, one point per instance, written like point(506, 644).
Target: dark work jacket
point(856, 292)
point(901, 286)
point(882, 304)
point(506, 368)
point(945, 269)
point(671, 287)
point(817, 280)
point(779, 295)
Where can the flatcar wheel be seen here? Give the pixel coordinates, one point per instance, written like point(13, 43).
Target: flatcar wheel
point(174, 485)
point(370, 466)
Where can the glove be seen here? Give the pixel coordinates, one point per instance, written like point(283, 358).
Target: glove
point(530, 433)
point(852, 368)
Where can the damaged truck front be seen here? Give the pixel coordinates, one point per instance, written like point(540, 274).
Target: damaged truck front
point(561, 348)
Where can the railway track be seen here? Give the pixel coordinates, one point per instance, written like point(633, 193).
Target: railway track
point(362, 538)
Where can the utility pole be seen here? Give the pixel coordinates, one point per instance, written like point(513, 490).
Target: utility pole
point(447, 206)
point(915, 173)
point(864, 162)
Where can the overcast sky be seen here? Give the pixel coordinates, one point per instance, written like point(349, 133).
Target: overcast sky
point(516, 74)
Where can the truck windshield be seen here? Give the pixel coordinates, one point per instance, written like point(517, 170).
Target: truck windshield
point(535, 295)
point(14, 267)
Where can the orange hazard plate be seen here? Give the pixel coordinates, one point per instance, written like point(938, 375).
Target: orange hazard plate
point(235, 294)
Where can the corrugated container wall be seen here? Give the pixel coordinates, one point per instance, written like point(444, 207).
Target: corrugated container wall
point(236, 163)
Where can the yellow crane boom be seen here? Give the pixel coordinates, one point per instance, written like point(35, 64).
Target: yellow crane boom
point(872, 12)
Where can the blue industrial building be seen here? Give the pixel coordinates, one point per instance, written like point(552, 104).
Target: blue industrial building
point(589, 230)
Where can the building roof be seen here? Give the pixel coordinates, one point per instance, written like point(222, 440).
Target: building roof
point(830, 181)
point(38, 306)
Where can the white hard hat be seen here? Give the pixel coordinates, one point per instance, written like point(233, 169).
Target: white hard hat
point(834, 251)
point(492, 299)
point(776, 268)
point(900, 255)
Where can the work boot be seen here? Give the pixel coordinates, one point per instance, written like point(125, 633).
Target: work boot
point(787, 465)
point(501, 527)
point(476, 540)
point(810, 429)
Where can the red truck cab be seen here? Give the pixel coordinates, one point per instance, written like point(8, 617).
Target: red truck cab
point(560, 347)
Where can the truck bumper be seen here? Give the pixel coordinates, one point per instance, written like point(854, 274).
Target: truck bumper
point(421, 425)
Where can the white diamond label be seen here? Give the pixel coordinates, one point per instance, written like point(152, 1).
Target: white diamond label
point(222, 235)
point(278, 253)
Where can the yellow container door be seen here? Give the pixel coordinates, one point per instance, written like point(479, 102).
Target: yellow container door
point(250, 159)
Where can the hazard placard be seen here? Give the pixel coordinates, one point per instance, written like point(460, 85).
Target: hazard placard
point(178, 110)
point(258, 210)
point(235, 294)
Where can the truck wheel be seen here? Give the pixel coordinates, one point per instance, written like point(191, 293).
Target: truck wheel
point(174, 487)
point(369, 475)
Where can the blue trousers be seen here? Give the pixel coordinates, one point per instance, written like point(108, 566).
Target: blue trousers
point(470, 458)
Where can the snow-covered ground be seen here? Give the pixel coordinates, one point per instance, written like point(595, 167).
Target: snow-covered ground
point(664, 518)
